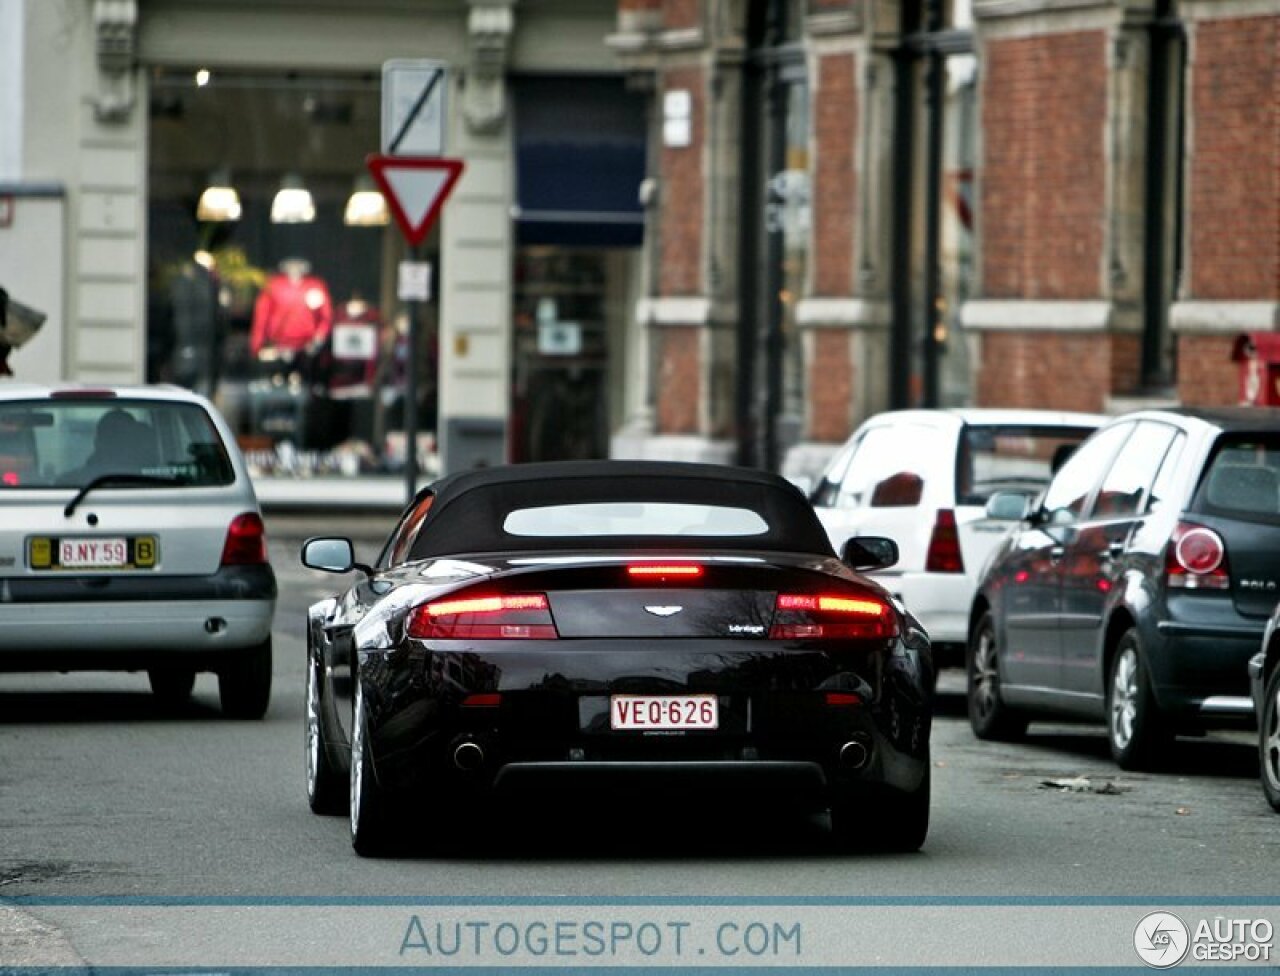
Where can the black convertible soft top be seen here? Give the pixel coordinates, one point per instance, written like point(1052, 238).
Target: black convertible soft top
point(470, 508)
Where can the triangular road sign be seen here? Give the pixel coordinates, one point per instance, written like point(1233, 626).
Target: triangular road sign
point(416, 188)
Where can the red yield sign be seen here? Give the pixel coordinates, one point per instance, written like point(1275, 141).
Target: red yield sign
point(416, 187)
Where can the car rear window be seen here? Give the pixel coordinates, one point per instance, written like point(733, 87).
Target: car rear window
point(1008, 457)
point(1242, 479)
point(66, 443)
point(634, 519)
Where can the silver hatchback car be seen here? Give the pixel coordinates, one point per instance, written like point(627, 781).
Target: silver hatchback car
point(131, 539)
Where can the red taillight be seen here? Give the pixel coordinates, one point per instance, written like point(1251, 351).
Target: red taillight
point(488, 699)
point(10, 478)
point(657, 570)
point(944, 545)
point(1196, 559)
point(514, 617)
point(814, 616)
point(246, 543)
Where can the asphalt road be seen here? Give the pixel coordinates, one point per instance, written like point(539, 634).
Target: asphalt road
point(103, 793)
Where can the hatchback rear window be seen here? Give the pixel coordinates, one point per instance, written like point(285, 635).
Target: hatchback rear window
point(1009, 457)
point(66, 443)
point(1242, 479)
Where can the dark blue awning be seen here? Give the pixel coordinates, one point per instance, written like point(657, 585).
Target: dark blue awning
point(580, 157)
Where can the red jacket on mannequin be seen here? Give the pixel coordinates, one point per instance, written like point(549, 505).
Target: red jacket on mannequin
point(293, 311)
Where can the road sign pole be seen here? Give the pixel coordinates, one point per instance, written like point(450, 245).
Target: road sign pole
point(411, 393)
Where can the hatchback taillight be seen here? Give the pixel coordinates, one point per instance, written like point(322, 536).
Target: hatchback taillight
point(822, 616)
point(1196, 559)
point(246, 543)
point(524, 616)
point(944, 545)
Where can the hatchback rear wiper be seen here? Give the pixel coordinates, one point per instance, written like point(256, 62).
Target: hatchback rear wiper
point(117, 479)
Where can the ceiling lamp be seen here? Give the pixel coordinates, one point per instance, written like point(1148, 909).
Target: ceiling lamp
point(366, 207)
point(219, 202)
point(293, 203)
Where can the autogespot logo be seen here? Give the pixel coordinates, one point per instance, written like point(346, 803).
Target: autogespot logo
point(1161, 940)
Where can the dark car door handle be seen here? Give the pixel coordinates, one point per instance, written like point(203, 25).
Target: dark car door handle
point(1055, 553)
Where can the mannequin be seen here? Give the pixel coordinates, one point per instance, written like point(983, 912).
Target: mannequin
point(293, 313)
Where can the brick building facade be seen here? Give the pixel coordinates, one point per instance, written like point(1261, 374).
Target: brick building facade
point(1054, 203)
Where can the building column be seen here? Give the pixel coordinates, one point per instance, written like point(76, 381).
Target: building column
point(1231, 279)
point(845, 314)
point(690, 243)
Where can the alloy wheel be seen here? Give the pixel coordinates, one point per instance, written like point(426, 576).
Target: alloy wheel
point(357, 762)
point(1124, 697)
point(313, 729)
point(986, 679)
point(1271, 738)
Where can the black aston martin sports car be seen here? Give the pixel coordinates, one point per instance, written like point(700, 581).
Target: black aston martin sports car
point(609, 629)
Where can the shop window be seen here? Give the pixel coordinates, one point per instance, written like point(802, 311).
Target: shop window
point(269, 285)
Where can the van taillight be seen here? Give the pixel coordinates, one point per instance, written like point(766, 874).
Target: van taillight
point(944, 545)
point(823, 616)
point(1196, 559)
point(246, 543)
point(525, 616)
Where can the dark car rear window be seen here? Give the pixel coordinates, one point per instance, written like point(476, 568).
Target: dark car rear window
point(1242, 479)
point(65, 443)
point(1007, 457)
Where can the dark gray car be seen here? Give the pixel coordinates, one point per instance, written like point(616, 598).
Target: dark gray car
point(1138, 588)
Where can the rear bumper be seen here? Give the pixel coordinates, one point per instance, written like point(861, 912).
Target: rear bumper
point(76, 623)
point(1201, 672)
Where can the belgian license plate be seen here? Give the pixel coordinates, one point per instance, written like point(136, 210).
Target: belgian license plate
point(104, 552)
point(663, 712)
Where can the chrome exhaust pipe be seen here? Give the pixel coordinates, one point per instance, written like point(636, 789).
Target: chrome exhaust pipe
point(854, 755)
point(468, 756)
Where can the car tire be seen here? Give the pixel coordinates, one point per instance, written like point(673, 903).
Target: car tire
point(989, 717)
point(369, 811)
point(244, 682)
point(895, 822)
point(327, 790)
point(172, 686)
point(1136, 731)
point(1269, 739)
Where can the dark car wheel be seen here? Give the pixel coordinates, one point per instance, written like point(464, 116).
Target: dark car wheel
point(1269, 740)
point(244, 682)
point(327, 791)
point(1135, 728)
point(989, 716)
point(369, 810)
point(897, 822)
point(172, 685)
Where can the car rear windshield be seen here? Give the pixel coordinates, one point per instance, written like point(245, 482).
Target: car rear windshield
point(1009, 457)
point(1242, 479)
point(634, 518)
point(66, 443)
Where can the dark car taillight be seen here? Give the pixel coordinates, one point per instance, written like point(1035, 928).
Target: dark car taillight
point(1196, 559)
point(944, 545)
point(246, 543)
point(525, 616)
point(834, 615)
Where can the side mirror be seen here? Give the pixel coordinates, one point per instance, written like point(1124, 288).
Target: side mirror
point(334, 555)
point(1008, 506)
point(869, 552)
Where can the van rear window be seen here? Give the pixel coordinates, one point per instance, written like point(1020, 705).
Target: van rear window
point(1009, 457)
